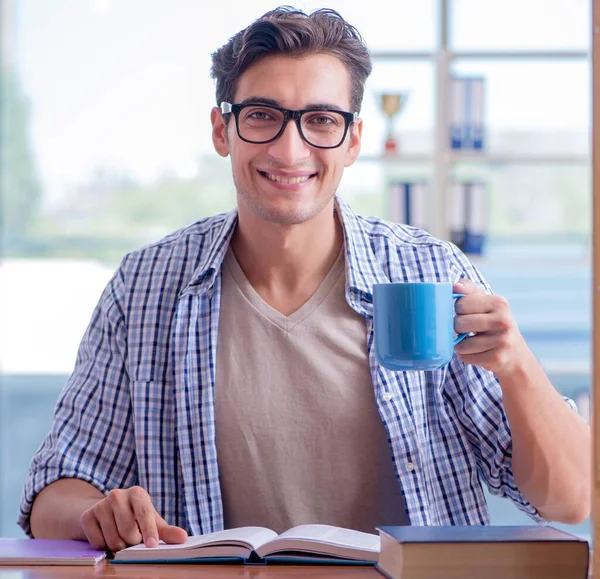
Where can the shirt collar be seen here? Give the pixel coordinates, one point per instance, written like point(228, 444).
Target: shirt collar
point(362, 267)
point(220, 234)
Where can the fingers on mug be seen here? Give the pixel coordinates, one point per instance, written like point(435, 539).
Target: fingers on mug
point(459, 337)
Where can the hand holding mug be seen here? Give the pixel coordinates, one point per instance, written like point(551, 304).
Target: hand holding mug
point(497, 345)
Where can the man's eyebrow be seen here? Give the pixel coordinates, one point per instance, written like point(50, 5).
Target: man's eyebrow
point(260, 101)
point(274, 103)
point(328, 106)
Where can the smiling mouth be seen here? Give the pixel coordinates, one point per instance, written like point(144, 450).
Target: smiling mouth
point(287, 180)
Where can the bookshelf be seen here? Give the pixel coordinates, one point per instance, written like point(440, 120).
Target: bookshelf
point(443, 159)
point(438, 163)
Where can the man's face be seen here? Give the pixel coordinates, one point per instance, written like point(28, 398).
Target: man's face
point(288, 181)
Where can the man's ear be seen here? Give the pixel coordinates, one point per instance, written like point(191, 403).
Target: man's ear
point(219, 132)
point(355, 131)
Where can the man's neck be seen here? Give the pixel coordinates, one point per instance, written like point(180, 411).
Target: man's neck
point(286, 264)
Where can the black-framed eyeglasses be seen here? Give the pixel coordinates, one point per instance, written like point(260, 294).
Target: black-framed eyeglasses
point(258, 123)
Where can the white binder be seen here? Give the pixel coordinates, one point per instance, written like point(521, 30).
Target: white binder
point(457, 215)
point(407, 202)
point(467, 215)
point(466, 113)
point(456, 118)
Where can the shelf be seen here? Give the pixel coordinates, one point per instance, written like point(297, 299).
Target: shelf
point(521, 54)
point(400, 158)
point(516, 159)
point(483, 158)
point(402, 54)
point(483, 54)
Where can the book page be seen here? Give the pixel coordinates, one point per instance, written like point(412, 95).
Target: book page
point(330, 535)
point(252, 537)
point(323, 540)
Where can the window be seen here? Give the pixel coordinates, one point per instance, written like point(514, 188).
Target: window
point(106, 147)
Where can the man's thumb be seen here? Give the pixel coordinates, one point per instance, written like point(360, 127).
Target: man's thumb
point(466, 286)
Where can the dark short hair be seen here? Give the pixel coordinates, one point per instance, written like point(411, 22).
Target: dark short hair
point(288, 31)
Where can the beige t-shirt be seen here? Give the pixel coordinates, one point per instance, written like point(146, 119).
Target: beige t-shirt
point(299, 437)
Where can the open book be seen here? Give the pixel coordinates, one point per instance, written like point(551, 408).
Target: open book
point(302, 544)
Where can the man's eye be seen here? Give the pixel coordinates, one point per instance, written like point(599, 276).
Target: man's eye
point(324, 120)
point(259, 115)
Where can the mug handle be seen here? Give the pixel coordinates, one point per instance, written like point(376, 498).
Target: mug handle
point(460, 337)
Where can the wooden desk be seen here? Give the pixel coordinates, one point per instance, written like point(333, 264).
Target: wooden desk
point(106, 570)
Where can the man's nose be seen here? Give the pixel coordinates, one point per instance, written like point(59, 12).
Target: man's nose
point(290, 147)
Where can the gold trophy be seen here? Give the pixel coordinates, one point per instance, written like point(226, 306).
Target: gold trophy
point(391, 105)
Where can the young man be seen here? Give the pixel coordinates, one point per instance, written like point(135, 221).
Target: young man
point(228, 375)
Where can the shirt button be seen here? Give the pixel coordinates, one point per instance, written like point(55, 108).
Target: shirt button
point(410, 466)
point(387, 397)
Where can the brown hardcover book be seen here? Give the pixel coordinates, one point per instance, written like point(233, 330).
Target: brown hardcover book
point(486, 552)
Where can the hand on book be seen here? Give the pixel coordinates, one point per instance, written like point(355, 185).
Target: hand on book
point(127, 517)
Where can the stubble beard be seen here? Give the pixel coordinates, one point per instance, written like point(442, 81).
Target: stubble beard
point(279, 215)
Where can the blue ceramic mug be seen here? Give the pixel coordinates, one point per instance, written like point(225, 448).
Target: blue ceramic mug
point(414, 325)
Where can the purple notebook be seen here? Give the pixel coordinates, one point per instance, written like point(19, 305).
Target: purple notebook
point(48, 552)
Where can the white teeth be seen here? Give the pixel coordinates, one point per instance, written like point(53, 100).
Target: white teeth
point(285, 180)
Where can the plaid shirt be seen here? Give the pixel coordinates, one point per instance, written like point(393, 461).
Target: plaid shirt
point(139, 406)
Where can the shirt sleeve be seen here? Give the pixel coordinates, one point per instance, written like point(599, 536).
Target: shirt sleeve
point(92, 434)
point(476, 398)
